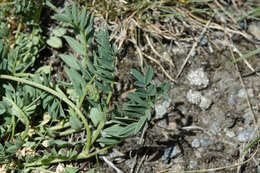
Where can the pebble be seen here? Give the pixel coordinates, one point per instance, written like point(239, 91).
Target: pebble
point(193, 97)
point(206, 142)
point(247, 118)
point(161, 109)
point(198, 77)
point(245, 135)
point(193, 164)
point(254, 29)
point(229, 133)
point(203, 41)
point(170, 152)
point(195, 143)
point(205, 103)
point(242, 93)
point(215, 128)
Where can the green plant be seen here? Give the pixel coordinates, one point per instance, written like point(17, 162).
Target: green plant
point(26, 98)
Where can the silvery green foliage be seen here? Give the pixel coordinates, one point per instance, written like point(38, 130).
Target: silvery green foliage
point(88, 90)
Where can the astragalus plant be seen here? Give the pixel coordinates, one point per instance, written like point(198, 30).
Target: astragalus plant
point(37, 114)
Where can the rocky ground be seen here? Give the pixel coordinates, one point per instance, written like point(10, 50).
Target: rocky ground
point(213, 104)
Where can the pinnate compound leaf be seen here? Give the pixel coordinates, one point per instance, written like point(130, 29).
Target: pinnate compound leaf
point(75, 45)
point(71, 61)
point(96, 116)
point(75, 122)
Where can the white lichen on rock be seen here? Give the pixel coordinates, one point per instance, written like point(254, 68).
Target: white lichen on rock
point(198, 77)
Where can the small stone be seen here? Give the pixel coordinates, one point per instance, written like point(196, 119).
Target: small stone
point(203, 41)
point(204, 103)
point(193, 97)
point(230, 133)
point(247, 118)
point(175, 152)
point(195, 143)
point(170, 152)
point(193, 164)
point(254, 29)
point(183, 109)
point(161, 109)
point(198, 77)
point(215, 128)
point(245, 135)
point(206, 142)
point(242, 93)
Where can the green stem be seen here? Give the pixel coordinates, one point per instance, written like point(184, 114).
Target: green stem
point(60, 96)
point(85, 48)
point(78, 157)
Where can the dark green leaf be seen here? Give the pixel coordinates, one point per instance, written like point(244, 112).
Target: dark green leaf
point(78, 83)
point(112, 131)
point(70, 170)
point(83, 19)
point(140, 124)
point(75, 45)
point(54, 42)
point(151, 91)
point(137, 75)
point(75, 122)
point(62, 17)
point(75, 13)
point(96, 116)
point(137, 99)
point(108, 141)
point(128, 130)
point(71, 61)
point(2, 108)
point(149, 75)
point(140, 84)
point(59, 32)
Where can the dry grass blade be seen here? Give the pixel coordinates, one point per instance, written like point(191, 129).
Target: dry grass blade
point(249, 105)
point(160, 65)
point(193, 49)
point(167, 58)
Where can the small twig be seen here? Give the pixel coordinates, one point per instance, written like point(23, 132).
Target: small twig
point(248, 103)
point(225, 11)
point(193, 48)
point(140, 164)
point(133, 164)
point(245, 61)
point(156, 53)
point(111, 165)
point(142, 135)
